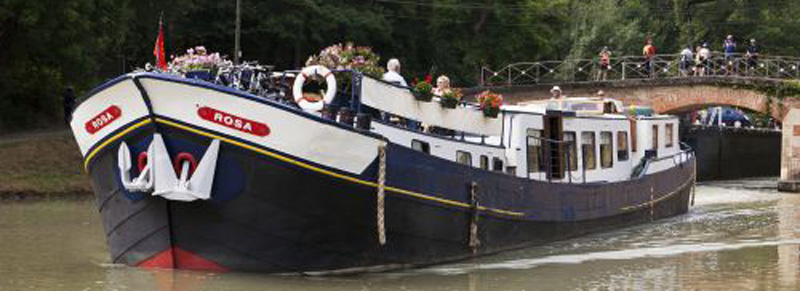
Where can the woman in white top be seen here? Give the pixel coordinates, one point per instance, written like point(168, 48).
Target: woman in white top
point(442, 85)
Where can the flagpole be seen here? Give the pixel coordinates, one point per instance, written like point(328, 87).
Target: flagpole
point(236, 49)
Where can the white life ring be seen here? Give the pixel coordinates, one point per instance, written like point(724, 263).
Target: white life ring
point(297, 89)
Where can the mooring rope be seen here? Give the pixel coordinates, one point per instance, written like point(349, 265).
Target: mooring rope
point(694, 182)
point(381, 194)
point(652, 204)
point(474, 241)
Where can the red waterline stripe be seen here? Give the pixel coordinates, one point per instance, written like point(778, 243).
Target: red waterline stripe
point(176, 258)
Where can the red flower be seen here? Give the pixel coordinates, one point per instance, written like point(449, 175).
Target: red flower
point(429, 78)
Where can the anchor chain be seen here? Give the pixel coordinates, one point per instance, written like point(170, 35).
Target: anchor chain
point(381, 194)
point(474, 241)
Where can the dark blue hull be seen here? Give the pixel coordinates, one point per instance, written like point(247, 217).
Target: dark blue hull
point(272, 215)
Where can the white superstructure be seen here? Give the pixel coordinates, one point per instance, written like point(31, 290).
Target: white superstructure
point(570, 140)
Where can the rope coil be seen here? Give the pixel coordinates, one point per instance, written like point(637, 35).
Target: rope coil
point(381, 194)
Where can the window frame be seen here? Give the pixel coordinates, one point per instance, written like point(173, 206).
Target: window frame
point(425, 147)
point(654, 138)
point(484, 162)
point(623, 153)
point(606, 164)
point(495, 162)
point(669, 131)
point(539, 165)
point(460, 154)
point(572, 149)
point(593, 144)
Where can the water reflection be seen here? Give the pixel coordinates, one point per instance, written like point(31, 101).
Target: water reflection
point(741, 235)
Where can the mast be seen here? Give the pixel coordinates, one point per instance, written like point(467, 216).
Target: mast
point(236, 48)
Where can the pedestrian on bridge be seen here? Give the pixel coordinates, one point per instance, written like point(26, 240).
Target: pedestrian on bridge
point(729, 47)
point(649, 52)
point(752, 56)
point(704, 59)
point(605, 64)
point(686, 60)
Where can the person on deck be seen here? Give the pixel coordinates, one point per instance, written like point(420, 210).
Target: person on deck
point(442, 85)
point(557, 99)
point(392, 74)
point(556, 92)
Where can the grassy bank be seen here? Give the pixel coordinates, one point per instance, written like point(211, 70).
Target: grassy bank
point(44, 164)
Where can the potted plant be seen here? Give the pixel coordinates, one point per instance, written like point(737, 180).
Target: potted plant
point(451, 98)
point(198, 64)
point(490, 103)
point(423, 91)
point(348, 57)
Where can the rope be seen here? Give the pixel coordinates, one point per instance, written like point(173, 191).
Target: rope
point(652, 204)
point(381, 194)
point(694, 182)
point(474, 241)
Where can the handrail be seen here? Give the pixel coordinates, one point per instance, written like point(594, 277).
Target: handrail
point(639, 67)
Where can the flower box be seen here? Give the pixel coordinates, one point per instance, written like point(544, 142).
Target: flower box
point(200, 74)
point(490, 103)
point(422, 96)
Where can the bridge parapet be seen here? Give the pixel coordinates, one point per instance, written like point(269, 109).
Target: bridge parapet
point(637, 67)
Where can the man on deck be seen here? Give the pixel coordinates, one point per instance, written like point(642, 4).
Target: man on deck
point(392, 74)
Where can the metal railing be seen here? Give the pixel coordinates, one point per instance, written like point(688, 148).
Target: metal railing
point(638, 67)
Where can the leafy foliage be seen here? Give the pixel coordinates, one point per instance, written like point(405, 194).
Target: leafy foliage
point(48, 45)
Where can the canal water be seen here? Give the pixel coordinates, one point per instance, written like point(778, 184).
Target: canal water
point(740, 235)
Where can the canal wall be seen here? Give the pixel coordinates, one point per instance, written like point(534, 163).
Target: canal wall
point(733, 153)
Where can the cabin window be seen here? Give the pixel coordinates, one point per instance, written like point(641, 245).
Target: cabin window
point(606, 150)
point(497, 165)
point(464, 158)
point(421, 146)
point(668, 135)
point(572, 149)
point(535, 151)
point(655, 137)
point(588, 150)
point(622, 146)
point(484, 162)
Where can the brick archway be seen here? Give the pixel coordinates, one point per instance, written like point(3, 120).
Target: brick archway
point(683, 99)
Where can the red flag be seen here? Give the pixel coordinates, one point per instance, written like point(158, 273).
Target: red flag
point(158, 51)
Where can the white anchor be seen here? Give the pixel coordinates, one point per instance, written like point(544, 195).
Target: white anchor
point(159, 176)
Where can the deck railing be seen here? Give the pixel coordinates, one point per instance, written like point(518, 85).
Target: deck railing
point(638, 67)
